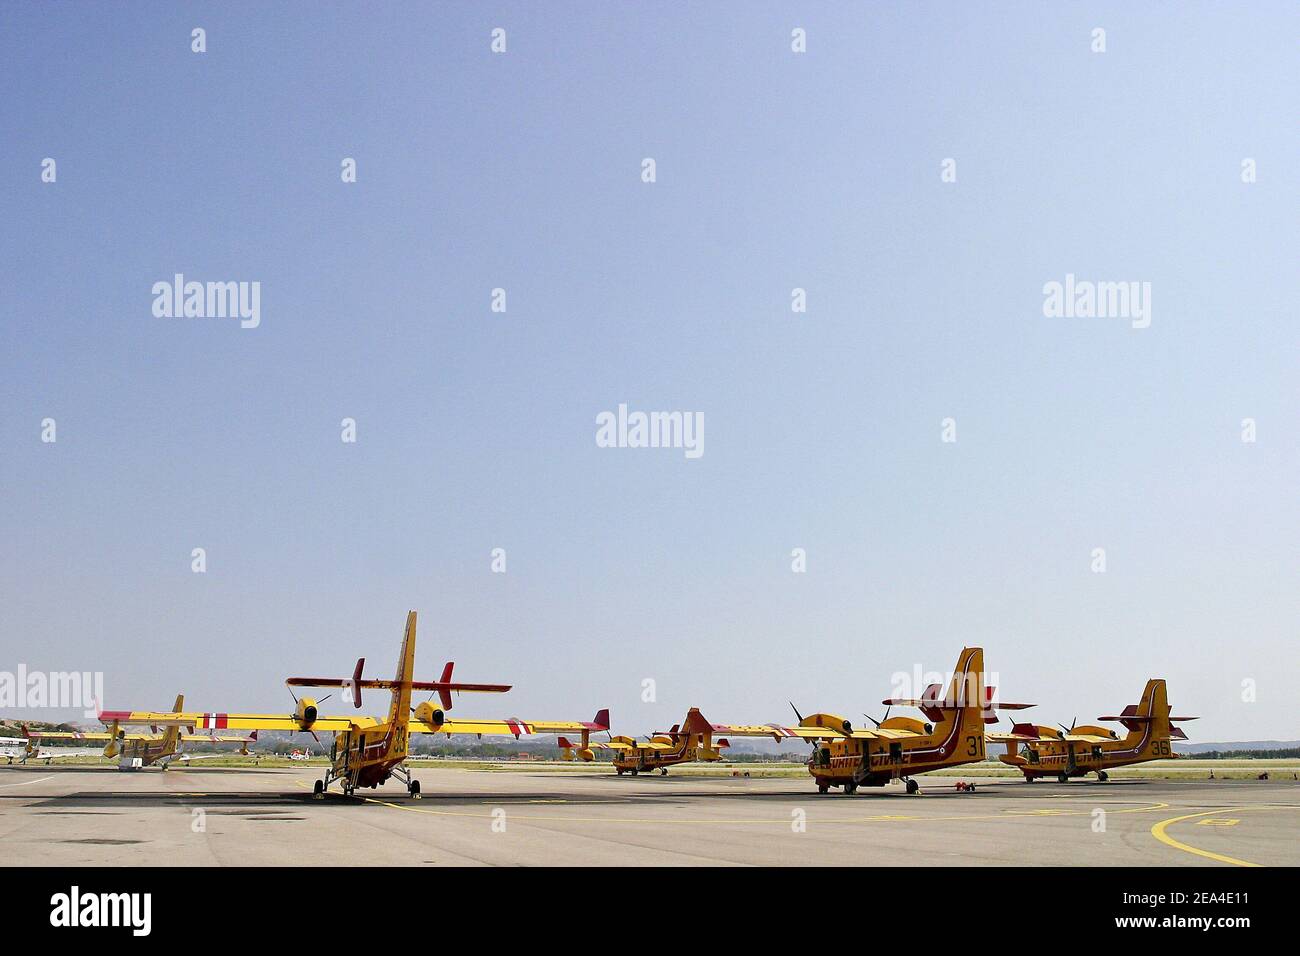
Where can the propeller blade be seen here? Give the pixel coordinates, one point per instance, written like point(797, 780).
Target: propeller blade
point(796, 711)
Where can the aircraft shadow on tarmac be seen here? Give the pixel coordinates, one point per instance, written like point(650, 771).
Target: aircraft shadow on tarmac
point(177, 769)
point(673, 794)
point(124, 799)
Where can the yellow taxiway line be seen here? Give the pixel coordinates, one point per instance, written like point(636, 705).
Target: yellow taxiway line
point(1158, 831)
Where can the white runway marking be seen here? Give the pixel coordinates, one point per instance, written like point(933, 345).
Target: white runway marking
point(26, 782)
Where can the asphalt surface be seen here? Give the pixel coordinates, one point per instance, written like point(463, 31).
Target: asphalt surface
point(64, 816)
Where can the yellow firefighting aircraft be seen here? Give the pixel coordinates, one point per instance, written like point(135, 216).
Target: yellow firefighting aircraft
point(152, 748)
point(369, 750)
point(899, 748)
point(691, 740)
point(1076, 751)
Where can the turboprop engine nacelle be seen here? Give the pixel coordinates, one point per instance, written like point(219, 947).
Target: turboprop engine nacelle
point(305, 713)
point(571, 751)
point(426, 713)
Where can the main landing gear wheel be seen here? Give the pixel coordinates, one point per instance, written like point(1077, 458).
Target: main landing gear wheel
point(850, 788)
point(318, 791)
point(620, 771)
point(823, 787)
point(913, 787)
point(414, 789)
point(1103, 776)
point(663, 771)
point(1062, 777)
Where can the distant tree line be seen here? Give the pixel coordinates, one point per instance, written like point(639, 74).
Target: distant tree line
point(1245, 754)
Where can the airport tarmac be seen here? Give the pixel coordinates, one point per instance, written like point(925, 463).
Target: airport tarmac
point(64, 816)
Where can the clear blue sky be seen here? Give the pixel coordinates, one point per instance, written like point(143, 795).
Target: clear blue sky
point(476, 430)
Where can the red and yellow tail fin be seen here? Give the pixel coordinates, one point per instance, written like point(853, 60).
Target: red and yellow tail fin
point(173, 734)
point(1150, 719)
point(399, 712)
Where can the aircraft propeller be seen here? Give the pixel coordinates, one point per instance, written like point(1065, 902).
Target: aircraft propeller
point(295, 704)
point(811, 743)
point(881, 720)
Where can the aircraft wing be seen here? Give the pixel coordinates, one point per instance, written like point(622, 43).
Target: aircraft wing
point(774, 731)
point(512, 726)
point(807, 732)
point(210, 739)
point(227, 721)
point(509, 727)
point(67, 735)
point(56, 755)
